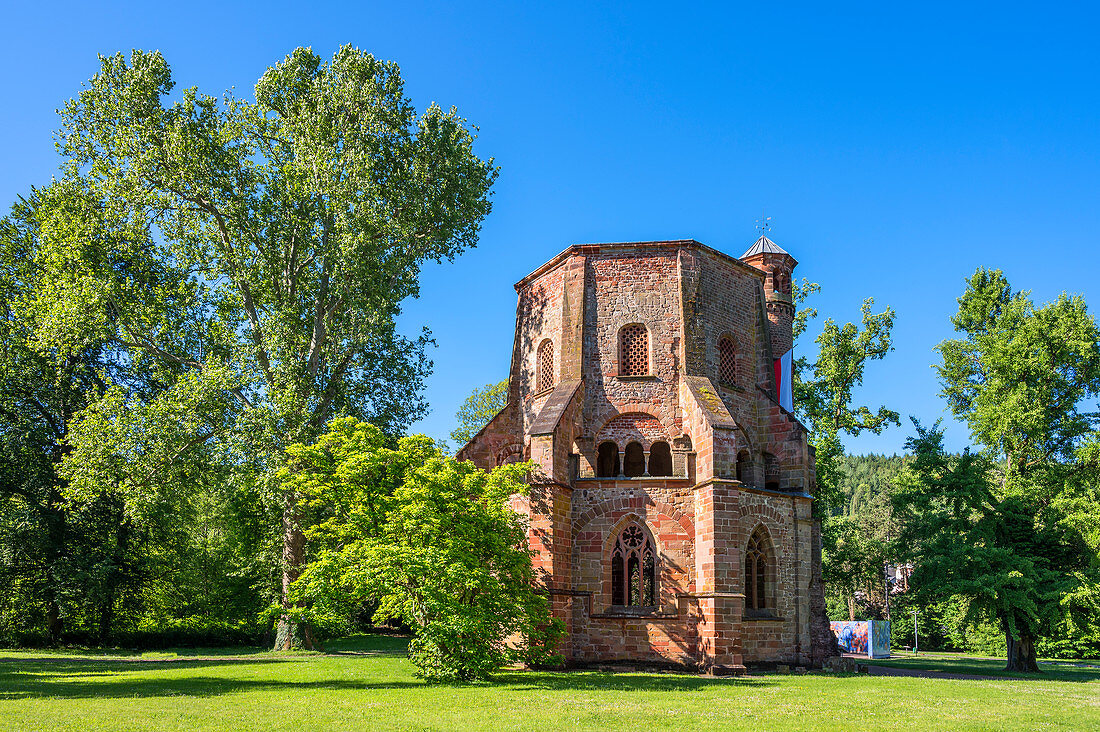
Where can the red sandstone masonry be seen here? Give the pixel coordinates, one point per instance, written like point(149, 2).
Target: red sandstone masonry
point(687, 296)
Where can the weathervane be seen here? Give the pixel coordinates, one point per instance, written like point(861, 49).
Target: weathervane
point(763, 224)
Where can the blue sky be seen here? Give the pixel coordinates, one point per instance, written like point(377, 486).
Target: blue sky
point(896, 148)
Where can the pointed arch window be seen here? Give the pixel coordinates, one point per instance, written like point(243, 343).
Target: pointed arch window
point(545, 376)
point(634, 569)
point(759, 574)
point(633, 350)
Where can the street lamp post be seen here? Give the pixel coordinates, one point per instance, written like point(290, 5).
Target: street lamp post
point(916, 639)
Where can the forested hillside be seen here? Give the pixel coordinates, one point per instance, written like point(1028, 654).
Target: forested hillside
point(863, 479)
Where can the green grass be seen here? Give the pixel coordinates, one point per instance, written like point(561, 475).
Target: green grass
point(366, 683)
point(957, 663)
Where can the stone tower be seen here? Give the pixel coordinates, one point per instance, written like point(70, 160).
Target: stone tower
point(778, 268)
point(670, 510)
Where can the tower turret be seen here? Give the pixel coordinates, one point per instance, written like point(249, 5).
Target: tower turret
point(778, 267)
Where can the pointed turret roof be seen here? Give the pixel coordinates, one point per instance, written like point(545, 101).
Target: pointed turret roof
point(764, 245)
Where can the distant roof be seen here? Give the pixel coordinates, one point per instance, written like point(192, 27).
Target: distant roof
point(764, 245)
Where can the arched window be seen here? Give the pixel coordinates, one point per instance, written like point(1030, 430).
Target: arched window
point(744, 467)
point(544, 378)
point(633, 350)
point(782, 282)
point(771, 472)
point(607, 460)
point(660, 459)
point(634, 461)
point(759, 573)
point(634, 569)
point(727, 360)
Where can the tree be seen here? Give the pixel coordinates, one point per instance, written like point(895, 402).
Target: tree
point(825, 398)
point(1007, 528)
point(432, 540)
point(479, 408)
point(288, 229)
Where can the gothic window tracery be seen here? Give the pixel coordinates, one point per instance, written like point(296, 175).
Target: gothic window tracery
point(634, 569)
point(633, 350)
point(759, 561)
point(545, 375)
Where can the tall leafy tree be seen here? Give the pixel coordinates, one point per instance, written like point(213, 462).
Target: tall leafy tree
point(824, 389)
point(293, 226)
point(478, 409)
point(1008, 529)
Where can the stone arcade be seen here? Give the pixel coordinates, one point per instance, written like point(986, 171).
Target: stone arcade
point(670, 514)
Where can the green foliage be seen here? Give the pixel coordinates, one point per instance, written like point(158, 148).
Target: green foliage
point(1019, 374)
point(479, 408)
point(1012, 530)
point(208, 281)
point(823, 390)
point(248, 260)
point(431, 540)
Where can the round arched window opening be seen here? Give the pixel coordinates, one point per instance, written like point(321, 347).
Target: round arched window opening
point(607, 460)
point(660, 459)
point(744, 467)
point(634, 461)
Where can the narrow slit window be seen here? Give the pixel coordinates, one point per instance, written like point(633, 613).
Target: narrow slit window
point(727, 360)
point(545, 377)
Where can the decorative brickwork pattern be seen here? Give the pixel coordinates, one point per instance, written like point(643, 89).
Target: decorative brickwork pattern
point(633, 351)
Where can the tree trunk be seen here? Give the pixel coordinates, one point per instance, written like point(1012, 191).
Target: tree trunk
point(53, 617)
point(1021, 653)
point(290, 633)
point(851, 608)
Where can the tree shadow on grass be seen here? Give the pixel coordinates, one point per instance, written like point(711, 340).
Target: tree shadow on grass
point(602, 681)
point(990, 670)
point(107, 680)
point(75, 679)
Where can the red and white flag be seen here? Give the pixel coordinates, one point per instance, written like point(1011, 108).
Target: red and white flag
point(783, 380)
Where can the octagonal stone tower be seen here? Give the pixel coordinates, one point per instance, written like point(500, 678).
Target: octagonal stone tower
point(670, 510)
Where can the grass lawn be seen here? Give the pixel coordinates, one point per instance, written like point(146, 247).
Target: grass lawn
point(366, 683)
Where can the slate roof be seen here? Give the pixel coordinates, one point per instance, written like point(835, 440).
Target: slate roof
point(552, 411)
point(764, 245)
